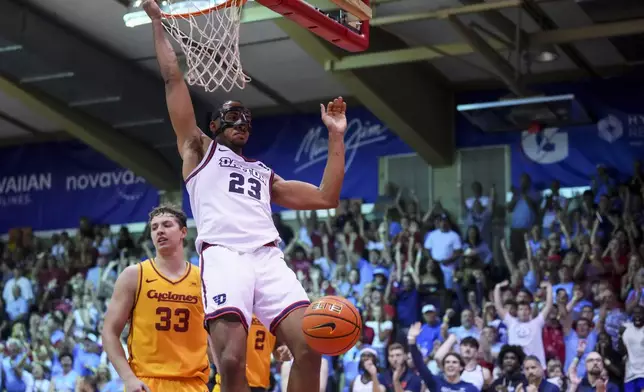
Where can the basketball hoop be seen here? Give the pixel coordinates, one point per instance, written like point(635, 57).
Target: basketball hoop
point(208, 33)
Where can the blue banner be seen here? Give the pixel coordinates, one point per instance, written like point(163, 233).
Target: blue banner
point(571, 154)
point(52, 185)
point(296, 148)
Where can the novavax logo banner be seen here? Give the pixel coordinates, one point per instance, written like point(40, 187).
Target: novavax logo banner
point(52, 185)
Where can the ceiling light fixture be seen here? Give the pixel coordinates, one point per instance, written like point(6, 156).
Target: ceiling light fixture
point(546, 56)
point(542, 54)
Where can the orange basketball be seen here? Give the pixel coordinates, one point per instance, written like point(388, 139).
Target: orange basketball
point(332, 325)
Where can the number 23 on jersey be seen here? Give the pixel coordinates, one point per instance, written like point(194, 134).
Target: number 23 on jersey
point(242, 185)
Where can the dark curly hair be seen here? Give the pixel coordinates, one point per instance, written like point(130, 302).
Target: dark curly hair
point(517, 350)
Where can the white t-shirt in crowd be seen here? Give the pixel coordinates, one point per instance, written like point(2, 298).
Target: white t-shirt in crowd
point(26, 290)
point(379, 246)
point(384, 326)
point(527, 335)
point(474, 377)
point(358, 386)
point(442, 244)
point(484, 200)
point(633, 338)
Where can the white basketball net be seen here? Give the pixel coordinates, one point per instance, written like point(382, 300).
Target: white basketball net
point(209, 40)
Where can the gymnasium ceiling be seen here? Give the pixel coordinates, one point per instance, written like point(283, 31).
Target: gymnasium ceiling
point(71, 69)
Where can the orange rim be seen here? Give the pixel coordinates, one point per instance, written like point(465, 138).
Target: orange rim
point(227, 4)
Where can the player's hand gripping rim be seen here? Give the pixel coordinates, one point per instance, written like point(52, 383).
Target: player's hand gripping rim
point(152, 8)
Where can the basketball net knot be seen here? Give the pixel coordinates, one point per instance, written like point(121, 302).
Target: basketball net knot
point(208, 33)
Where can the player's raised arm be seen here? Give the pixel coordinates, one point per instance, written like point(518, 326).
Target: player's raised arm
point(178, 99)
point(117, 315)
point(297, 195)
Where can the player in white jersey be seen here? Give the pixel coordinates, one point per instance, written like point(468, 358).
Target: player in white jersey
point(243, 271)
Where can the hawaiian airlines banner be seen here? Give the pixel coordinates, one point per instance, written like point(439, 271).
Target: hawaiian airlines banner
point(572, 154)
point(296, 148)
point(52, 185)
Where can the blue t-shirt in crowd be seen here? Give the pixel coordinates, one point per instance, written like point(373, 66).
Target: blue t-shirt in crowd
point(409, 381)
point(428, 334)
point(407, 307)
point(545, 386)
point(437, 383)
point(586, 387)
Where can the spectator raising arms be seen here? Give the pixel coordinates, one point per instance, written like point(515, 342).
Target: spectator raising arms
point(553, 302)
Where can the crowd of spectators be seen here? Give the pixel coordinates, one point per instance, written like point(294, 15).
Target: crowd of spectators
point(54, 294)
point(559, 308)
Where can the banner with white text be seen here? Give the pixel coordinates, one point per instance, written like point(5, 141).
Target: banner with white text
point(52, 185)
point(296, 147)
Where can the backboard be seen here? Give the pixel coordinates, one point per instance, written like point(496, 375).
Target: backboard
point(347, 28)
point(519, 114)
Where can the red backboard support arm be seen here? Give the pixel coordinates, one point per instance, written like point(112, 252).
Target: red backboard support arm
point(318, 23)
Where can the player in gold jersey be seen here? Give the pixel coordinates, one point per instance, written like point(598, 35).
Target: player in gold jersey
point(261, 343)
point(167, 344)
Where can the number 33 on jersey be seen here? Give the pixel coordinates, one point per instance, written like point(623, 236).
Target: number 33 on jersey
point(167, 322)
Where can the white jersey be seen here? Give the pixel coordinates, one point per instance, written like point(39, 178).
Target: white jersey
point(474, 377)
point(230, 197)
point(358, 386)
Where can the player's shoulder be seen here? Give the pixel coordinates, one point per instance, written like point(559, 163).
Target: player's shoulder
point(133, 270)
point(130, 278)
point(262, 165)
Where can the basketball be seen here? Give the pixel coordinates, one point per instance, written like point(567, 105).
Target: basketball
point(332, 325)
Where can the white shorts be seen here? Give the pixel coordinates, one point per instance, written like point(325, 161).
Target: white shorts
point(244, 284)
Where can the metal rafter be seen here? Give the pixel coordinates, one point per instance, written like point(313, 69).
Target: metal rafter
point(546, 23)
point(256, 13)
point(504, 70)
point(538, 39)
point(412, 103)
point(57, 45)
point(20, 124)
point(595, 31)
point(497, 20)
point(123, 150)
point(68, 49)
point(511, 31)
point(40, 138)
point(566, 76)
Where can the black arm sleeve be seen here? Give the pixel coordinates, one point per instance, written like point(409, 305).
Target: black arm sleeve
point(428, 378)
